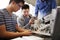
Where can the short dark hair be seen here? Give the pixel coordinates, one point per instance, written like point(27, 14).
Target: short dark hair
point(17, 1)
point(25, 6)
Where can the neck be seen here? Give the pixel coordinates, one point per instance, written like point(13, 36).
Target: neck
point(9, 9)
point(26, 15)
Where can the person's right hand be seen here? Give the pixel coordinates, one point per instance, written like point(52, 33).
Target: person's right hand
point(27, 33)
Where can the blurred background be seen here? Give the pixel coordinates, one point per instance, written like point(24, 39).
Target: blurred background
point(31, 3)
point(58, 2)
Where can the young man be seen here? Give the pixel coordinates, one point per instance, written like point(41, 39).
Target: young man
point(25, 20)
point(8, 25)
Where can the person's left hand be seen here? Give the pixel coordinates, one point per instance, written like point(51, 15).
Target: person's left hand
point(31, 21)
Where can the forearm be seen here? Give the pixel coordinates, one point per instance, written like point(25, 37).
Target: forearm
point(20, 29)
point(27, 26)
point(7, 34)
point(10, 34)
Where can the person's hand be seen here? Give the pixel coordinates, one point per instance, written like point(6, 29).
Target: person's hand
point(31, 21)
point(27, 33)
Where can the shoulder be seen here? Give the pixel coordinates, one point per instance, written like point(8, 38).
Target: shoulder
point(1, 12)
point(21, 18)
point(30, 15)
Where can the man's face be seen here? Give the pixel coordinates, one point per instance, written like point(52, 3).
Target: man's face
point(25, 12)
point(17, 6)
